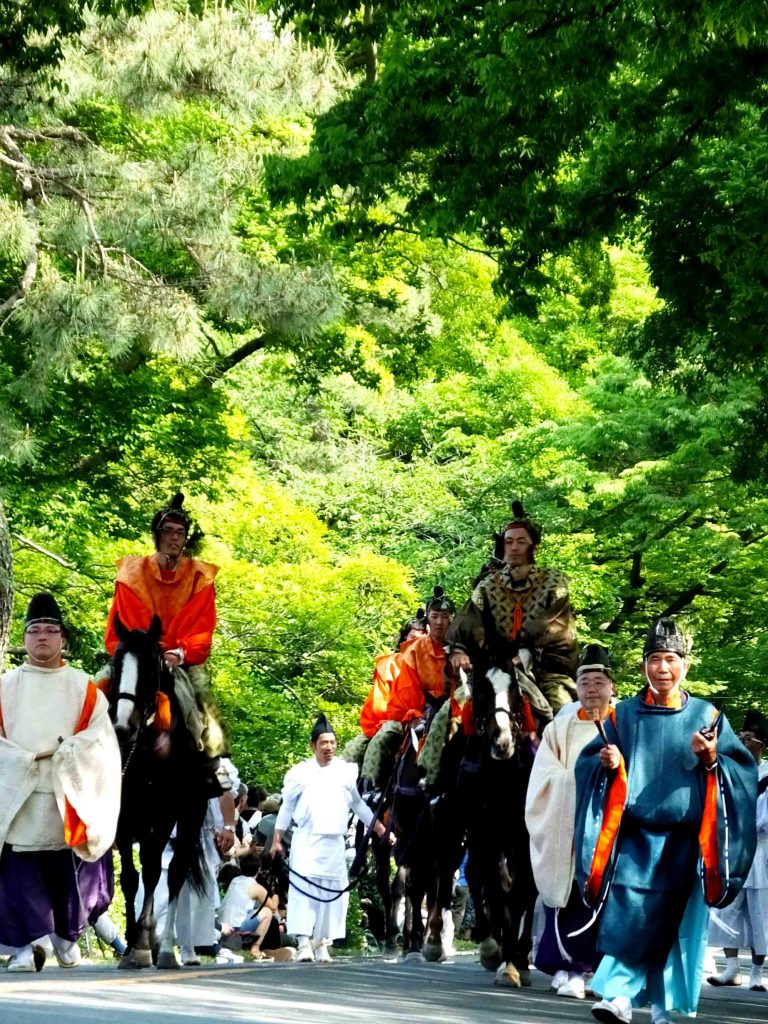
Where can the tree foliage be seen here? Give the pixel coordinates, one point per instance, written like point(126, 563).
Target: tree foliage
point(350, 399)
point(541, 131)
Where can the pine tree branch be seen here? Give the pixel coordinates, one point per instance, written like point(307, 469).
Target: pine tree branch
point(29, 198)
point(63, 132)
point(43, 551)
point(228, 362)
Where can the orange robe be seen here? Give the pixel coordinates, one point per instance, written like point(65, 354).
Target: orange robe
point(374, 710)
point(184, 600)
point(422, 668)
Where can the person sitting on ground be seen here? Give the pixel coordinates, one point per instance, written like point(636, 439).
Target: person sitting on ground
point(249, 915)
point(256, 796)
point(745, 922)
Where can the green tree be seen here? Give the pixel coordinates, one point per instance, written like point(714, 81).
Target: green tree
point(537, 132)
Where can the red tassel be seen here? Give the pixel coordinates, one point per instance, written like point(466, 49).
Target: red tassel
point(528, 722)
point(517, 621)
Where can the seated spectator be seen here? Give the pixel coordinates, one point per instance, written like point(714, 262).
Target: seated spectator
point(249, 914)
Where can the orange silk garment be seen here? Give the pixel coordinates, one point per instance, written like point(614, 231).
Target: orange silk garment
point(184, 600)
point(421, 671)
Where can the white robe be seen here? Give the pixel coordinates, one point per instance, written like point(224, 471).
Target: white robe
point(319, 798)
point(550, 805)
point(40, 711)
point(744, 924)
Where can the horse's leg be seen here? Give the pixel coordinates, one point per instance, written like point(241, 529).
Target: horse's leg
point(129, 883)
point(385, 887)
point(166, 957)
point(488, 947)
point(151, 868)
point(523, 910)
point(393, 924)
point(414, 894)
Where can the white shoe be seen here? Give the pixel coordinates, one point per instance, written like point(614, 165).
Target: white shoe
point(322, 955)
point(305, 954)
point(756, 978)
point(67, 951)
point(731, 975)
point(189, 957)
point(559, 978)
point(612, 1010)
point(22, 960)
point(573, 988)
point(659, 1015)
point(226, 956)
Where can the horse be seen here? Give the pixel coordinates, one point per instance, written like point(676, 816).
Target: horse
point(165, 785)
point(485, 808)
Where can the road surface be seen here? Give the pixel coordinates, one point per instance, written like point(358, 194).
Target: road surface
point(345, 992)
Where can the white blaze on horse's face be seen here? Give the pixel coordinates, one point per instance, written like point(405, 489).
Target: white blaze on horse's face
point(128, 683)
point(502, 741)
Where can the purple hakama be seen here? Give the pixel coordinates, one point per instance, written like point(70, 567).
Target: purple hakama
point(51, 891)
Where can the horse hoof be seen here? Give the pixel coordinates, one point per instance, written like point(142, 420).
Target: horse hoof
point(433, 952)
point(507, 976)
point(414, 957)
point(525, 977)
point(490, 954)
point(167, 960)
point(135, 960)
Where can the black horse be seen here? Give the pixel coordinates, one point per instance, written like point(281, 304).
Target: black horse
point(483, 806)
point(165, 785)
point(405, 805)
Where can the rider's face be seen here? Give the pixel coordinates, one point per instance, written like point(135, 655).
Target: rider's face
point(324, 747)
point(438, 623)
point(518, 548)
point(171, 538)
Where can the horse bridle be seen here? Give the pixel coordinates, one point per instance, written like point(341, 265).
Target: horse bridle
point(145, 719)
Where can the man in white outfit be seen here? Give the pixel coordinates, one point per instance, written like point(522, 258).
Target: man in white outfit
point(318, 795)
point(745, 922)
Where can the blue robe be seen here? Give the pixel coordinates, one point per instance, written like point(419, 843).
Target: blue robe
point(653, 917)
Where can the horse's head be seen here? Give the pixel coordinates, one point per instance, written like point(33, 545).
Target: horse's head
point(496, 700)
point(138, 669)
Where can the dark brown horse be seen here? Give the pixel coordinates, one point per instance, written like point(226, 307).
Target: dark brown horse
point(165, 786)
point(484, 808)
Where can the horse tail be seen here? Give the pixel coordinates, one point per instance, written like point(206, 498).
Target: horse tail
point(189, 861)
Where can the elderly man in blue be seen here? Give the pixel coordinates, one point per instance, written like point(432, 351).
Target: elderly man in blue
point(665, 824)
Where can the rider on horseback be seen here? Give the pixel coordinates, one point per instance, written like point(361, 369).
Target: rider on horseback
point(180, 591)
point(527, 606)
point(417, 691)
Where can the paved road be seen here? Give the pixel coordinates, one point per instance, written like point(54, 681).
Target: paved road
point(459, 992)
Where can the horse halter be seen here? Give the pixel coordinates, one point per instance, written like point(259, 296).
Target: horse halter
point(145, 709)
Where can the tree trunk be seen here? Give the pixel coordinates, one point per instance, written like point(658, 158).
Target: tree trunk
point(6, 585)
